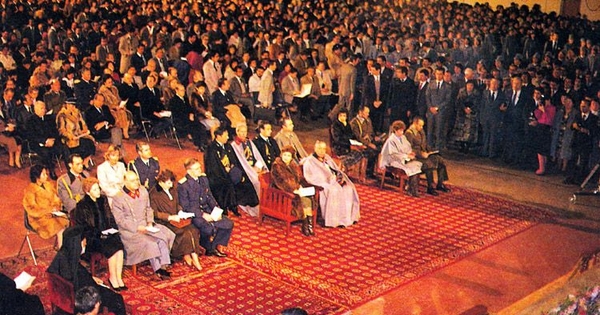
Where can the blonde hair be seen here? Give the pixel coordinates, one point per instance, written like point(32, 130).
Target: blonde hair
point(112, 149)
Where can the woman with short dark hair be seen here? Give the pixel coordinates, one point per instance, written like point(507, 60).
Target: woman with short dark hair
point(40, 200)
point(165, 202)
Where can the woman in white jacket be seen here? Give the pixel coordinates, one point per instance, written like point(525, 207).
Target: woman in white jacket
point(397, 152)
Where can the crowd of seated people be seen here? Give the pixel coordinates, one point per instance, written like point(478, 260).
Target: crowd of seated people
point(487, 80)
point(346, 64)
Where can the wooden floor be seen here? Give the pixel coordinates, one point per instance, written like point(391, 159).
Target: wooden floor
point(486, 282)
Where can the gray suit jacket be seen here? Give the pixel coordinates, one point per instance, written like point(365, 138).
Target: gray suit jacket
point(236, 89)
point(439, 98)
point(288, 86)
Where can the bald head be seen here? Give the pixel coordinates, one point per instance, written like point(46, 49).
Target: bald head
point(132, 181)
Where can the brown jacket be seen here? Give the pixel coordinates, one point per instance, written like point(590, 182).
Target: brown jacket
point(39, 202)
point(289, 178)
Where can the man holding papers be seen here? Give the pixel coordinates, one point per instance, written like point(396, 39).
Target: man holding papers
point(431, 160)
point(143, 239)
point(195, 197)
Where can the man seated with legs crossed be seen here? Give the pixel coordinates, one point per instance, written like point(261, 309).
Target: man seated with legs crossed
point(431, 159)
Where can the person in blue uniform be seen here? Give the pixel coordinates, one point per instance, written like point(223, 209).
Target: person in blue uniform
point(195, 196)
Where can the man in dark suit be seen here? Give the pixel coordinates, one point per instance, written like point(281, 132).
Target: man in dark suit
point(145, 165)
point(102, 123)
point(385, 71)
point(22, 115)
point(515, 120)
point(552, 45)
point(152, 106)
point(43, 137)
point(266, 145)
point(376, 96)
point(195, 196)
point(222, 168)
point(250, 70)
point(221, 98)
point(491, 117)
point(239, 89)
point(184, 118)
point(422, 84)
point(437, 97)
point(138, 60)
point(403, 93)
point(585, 130)
point(84, 90)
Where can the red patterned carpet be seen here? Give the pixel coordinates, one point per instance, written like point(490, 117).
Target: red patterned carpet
point(397, 240)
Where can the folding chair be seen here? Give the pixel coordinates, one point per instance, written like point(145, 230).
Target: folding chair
point(28, 229)
point(27, 153)
point(174, 132)
point(146, 124)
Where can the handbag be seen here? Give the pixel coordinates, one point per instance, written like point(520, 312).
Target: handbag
point(182, 223)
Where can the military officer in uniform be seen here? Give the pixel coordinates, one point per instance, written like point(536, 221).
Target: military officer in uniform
point(195, 196)
point(145, 165)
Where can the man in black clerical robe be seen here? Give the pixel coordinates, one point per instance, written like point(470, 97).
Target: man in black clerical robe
point(228, 181)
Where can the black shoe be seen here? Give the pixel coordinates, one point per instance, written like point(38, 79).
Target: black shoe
point(443, 188)
point(123, 288)
point(432, 191)
point(216, 253)
point(116, 289)
point(236, 212)
point(163, 274)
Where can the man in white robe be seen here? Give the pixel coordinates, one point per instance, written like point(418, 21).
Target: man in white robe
point(339, 201)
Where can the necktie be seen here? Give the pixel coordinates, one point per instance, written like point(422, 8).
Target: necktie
point(267, 151)
point(439, 85)
point(514, 98)
point(243, 88)
point(584, 117)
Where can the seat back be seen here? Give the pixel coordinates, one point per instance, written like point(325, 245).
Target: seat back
point(61, 293)
point(26, 222)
